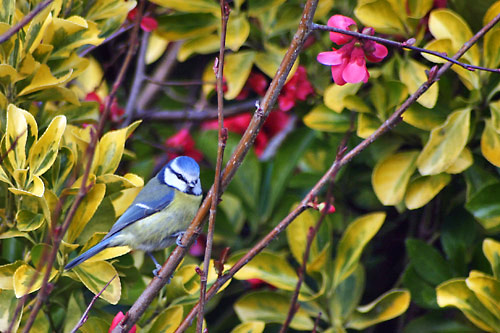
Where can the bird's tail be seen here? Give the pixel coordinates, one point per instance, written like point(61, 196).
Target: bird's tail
point(89, 253)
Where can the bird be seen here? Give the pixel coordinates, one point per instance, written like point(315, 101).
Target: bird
point(159, 215)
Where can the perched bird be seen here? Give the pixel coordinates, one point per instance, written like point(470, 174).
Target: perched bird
point(160, 213)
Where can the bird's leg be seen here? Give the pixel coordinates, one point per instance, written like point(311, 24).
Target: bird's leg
point(158, 266)
point(179, 236)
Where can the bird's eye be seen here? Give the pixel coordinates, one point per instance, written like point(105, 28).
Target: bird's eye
point(179, 177)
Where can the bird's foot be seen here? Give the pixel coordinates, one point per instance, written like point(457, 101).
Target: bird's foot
point(179, 236)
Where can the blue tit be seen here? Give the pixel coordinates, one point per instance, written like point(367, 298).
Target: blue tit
point(160, 213)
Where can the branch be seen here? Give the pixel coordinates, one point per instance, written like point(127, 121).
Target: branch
point(24, 21)
point(232, 166)
point(219, 68)
point(195, 115)
point(404, 45)
point(393, 120)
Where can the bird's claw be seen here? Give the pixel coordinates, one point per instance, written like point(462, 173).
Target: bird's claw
point(178, 240)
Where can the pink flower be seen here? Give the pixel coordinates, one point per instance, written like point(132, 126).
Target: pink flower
point(115, 111)
point(148, 23)
point(182, 143)
point(298, 87)
point(256, 82)
point(116, 320)
point(349, 62)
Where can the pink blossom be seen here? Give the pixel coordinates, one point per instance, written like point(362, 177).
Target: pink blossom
point(182, 143)
point(116, 320)
point(349, 61)
point(298, 87)
point(148, 23)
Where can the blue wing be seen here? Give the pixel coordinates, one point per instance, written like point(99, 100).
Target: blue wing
point(153, 198)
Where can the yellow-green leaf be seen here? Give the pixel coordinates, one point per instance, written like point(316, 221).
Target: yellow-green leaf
point(424, 189)
point(111, 148)
point(323, 119)
point(156, 47)
point(36, 30)
point(237, 68)
point(270, 307)
point(271, 268)
point(495, 115)
point(28, 280)
point(15, 138)
point(463, 162)
point(352, 243)
point(423, 118)
point(297, 232)
point(445, 143)
point(35, 188)
point(412, 74)
point(95, 275)
point(270, 60)
point(387, 306)
point(250, 327)
point(335, 94)
point(367, 124)
point(491, 47)
point(44, 151)
point(204, 44)
point(187, 25)
point(8, 306)
point(257, 7)
point(456, 293)
point(238, 30)
point(8, 75)
point(44, 79)
point(380, 15)
point(85, 211)
point(446, 24)
point(7, 275)
point(347, 295)
point(491, 249)
point(490, 144)
point(391, 175)
point(28, 221)
point(192, 6)
point(168, 320)
point(487, 290)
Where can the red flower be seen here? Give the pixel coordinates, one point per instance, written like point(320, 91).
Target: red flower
point(258, 283)
point(298, 87)
point(148, 23)
point(198, 248)
point(182, 143)
point(116, 320)
point(348, 63)
point(274, 124)
point(115, 112)
point(256, 82)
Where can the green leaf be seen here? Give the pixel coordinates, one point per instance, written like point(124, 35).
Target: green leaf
point(462, 163)
point(424, 189)
point(485, 207)
point(8, 306)
point(445, 143)
point(238, 29)
point(491, 249)
point(380, 15)
point(334, 95)
point(456, 293)
point(347, 295)
point(321, 118)
point(28, 221)
point(423, 118)
point(28, 280)
point(297, 232)
point(168, 320)
point(183, 26)
point(257, 7)
point(44, 79)
point(495, 115)
point(412, 74)
point(391, 175)
point(202, 45)
point(95, 275)
point(428, 262)
point(387, 306)
point(491, 46)
point(422, 293)
point(270, 307)
point(352, 243)
point(367, 124)
point(192, 6)
point(270, 60)
point(490, 144)
point(7, 275)
point(385, 97)
point(250, 327)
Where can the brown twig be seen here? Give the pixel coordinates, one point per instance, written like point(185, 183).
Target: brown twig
point(404, 45)
point(59, 232)
point(219, 72)
point(294, 306)
point(234, 163)
point(195, 115)
point(316, 323)
point(85, 315)
point(393, 120)
point(24, 21)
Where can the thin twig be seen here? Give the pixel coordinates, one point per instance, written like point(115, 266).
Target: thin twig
point(403, 45)
point(85, 315)
point(59, 233)
point(393, 120)
point(316, 323)
point(234, 163)
point(313, 231)
point(24, 21)
point(219, 74)
point(195, 115)
point(138, 79)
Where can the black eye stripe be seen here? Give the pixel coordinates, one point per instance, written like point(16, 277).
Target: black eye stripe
point(178, 175)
